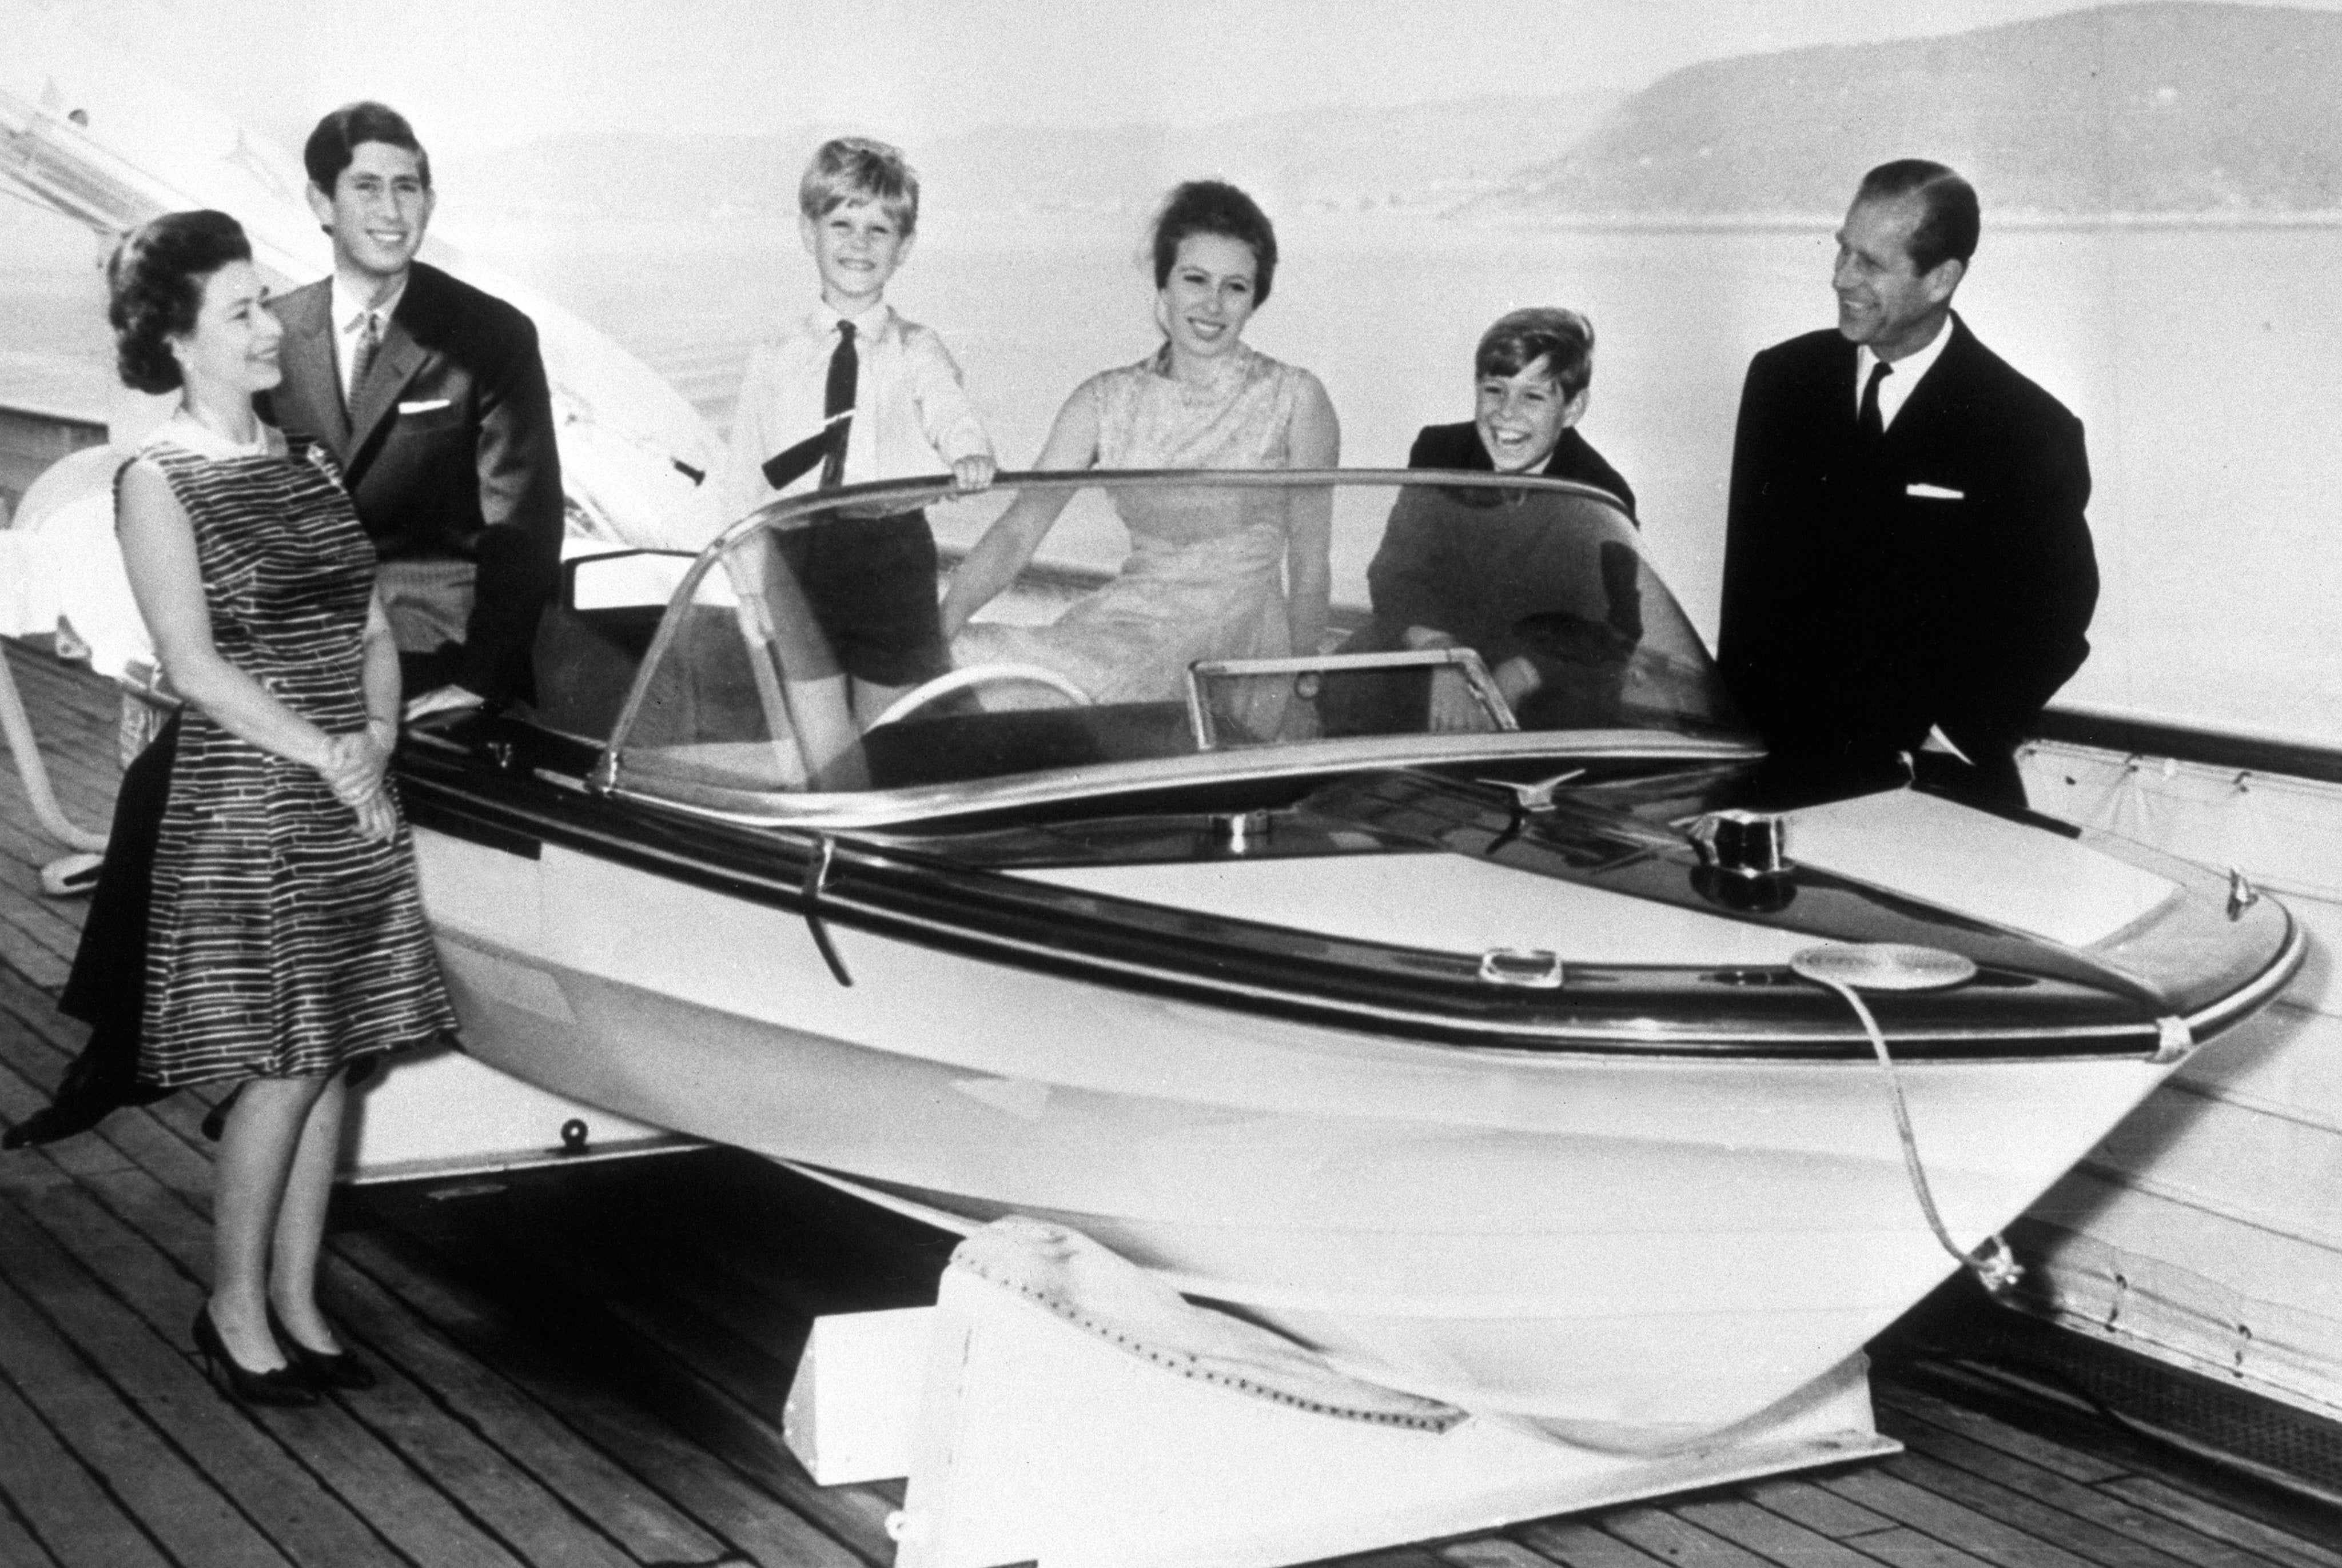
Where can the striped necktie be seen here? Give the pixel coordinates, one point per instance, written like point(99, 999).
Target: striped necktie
point(362, 356)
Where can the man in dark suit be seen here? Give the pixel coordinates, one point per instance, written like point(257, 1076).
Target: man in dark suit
point(1907, 573)
point(432, 398)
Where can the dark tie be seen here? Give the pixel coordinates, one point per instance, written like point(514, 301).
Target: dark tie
point(1873, 427)
point(826, 446)
point(837, 405)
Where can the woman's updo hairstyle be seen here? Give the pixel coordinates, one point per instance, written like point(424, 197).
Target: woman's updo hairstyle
point(156, 287)
point(1215, 207)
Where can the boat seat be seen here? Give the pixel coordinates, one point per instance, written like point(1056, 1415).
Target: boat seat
point(949, 747)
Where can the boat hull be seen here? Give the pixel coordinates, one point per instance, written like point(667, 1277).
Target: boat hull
point(1637, 1253)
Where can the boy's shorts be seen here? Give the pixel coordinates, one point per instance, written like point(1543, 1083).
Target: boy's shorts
point(870, 583)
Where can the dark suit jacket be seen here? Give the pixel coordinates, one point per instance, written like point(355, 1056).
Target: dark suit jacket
point(1859, 609)
point(1504, 581)
point(1459, 446)
point(448, 453)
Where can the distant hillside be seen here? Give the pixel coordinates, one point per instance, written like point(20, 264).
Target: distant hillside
point(1431, 156)
point(2162, 108)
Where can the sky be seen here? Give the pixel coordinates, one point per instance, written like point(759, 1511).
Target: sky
point(479, 75)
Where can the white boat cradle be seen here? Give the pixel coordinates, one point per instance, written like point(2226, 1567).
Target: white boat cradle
point(1057, 1406)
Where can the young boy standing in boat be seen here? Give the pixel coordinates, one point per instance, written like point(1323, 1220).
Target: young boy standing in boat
point(848, 391)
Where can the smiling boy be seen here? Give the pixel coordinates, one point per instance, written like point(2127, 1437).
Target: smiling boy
point(850, 392)
point(1532, 378)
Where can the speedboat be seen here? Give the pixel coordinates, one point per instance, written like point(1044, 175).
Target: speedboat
point(1503, 1039)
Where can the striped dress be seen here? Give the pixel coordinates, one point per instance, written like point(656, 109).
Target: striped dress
point(280, 944)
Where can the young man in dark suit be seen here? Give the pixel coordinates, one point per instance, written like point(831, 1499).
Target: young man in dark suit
point(432, 398)
point(1907, 572)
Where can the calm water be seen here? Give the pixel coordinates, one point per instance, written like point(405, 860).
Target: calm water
point(2207, 365)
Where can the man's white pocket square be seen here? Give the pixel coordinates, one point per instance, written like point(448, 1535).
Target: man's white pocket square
point(1935, 492)
point(426, 406)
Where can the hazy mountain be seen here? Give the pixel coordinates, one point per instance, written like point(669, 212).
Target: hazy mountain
point(2164, 108)
point(1427, 156)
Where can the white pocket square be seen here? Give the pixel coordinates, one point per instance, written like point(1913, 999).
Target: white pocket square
point(1935, 492)
point(423, 407)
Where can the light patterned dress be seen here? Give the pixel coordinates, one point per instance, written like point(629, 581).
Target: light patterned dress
point(1204, 578)
point(281, 943)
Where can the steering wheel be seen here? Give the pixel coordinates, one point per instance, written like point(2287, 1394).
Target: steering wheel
point(944, 684)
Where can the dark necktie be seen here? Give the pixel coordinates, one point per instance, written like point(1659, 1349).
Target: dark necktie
point(826, 446)
point(362, 356)
point(838, 404)
point(1873, 427)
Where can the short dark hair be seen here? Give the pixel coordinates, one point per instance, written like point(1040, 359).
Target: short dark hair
point(340, 134)
point(1948, 227)
point(1562, 338)
point(857, 169)
point(155, 287)
point(1216, 207)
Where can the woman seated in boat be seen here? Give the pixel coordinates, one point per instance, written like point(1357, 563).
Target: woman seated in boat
point(1458, 569)
point(1211, 574)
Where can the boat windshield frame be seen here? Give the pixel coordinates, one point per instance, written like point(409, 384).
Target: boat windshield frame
point(879, 807)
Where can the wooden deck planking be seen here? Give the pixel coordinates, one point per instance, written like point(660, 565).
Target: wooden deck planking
point(91, 1417)
point(2094, 1514)
point(144, 1369)
point(47, 1492)
point(586, 1366)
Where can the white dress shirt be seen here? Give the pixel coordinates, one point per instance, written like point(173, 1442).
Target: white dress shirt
point(349, 314)
point(1903, 374)
point(911, 414)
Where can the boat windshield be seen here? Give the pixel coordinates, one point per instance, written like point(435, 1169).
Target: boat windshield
point(1227, 620)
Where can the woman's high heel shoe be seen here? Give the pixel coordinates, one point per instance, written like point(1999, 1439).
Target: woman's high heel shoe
point(279, 1385)
point(340, 1370)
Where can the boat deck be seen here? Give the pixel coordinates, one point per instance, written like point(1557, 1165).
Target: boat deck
point(586, 1366)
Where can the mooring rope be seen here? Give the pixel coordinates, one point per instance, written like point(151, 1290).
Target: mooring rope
point(1994, 1267)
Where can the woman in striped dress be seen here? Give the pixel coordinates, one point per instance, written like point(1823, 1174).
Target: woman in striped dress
point(286, 938)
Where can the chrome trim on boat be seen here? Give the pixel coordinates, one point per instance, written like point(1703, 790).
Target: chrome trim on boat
point(816, 884)
point(2208, 1021)
point(887, 808)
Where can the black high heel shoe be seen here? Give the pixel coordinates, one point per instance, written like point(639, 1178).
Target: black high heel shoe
point(340, 1370)
point(279, 1385)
